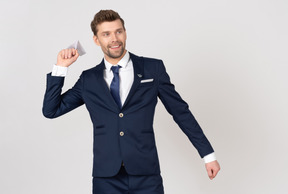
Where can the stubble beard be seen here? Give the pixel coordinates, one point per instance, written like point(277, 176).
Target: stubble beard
point(116, 55)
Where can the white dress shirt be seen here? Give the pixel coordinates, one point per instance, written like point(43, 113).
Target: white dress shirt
point(126, 75)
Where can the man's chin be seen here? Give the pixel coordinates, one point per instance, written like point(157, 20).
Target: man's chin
point(116, 55)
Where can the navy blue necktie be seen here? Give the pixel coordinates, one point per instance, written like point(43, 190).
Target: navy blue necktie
point(114, 87)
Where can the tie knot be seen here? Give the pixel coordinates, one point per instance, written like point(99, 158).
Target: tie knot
point(115, 68)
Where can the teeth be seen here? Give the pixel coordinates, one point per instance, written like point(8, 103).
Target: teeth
point(115, 46)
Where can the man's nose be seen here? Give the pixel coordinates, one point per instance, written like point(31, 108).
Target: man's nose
point(114, 37)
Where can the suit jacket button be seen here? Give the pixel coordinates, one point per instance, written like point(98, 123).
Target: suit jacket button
point(121, 115)
point(121, 133)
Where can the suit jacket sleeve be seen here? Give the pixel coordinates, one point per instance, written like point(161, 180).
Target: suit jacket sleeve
point(179, 109)
point(55, 104)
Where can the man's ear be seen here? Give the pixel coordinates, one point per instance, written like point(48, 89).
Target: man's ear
point(96, 40)
point(125, 34)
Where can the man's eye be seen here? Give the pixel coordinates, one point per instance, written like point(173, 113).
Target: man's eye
point(106, 34)
point(119, 32)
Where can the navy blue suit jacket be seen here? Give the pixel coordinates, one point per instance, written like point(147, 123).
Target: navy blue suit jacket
point(136, 148)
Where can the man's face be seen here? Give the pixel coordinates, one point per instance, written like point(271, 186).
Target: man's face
point(111, 36)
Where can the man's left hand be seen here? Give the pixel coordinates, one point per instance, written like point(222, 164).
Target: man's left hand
point(212, 169)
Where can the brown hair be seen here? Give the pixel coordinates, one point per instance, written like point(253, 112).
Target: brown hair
point(104, 16)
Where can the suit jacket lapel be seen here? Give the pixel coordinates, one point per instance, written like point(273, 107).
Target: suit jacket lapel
point(138, 73)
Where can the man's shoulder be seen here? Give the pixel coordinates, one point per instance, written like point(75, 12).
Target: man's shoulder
point(98, 67)
point(144, 58)
point(152, 65)
point(147, 62)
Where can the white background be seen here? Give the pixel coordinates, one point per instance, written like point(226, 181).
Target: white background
point(228, 60)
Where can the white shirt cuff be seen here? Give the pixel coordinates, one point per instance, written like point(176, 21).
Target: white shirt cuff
point(59, 71)
point(210, 157)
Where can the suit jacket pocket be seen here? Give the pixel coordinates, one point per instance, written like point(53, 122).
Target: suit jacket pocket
point(99, 130)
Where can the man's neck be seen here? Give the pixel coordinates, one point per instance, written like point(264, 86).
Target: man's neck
point(114, 61)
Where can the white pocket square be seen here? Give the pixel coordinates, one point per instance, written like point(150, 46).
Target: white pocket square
point(146, 80)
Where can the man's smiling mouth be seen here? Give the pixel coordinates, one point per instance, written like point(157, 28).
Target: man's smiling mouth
point(115, 46)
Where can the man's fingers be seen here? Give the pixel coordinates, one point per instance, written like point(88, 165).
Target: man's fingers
point(210, 173)
point(62, 54)
point(71, 53)
point(67, 56)
point(74, 52)
point(215, 172)
point(68, 53)
point(212, 169)
point(77, 54)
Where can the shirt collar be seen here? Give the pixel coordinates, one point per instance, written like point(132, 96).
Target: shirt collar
point(123, 62)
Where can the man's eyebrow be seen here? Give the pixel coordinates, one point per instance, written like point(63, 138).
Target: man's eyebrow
point(104, 32)
point(111, 31)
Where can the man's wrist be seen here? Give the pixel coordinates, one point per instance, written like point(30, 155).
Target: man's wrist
point(210, 158)
point(59, 71)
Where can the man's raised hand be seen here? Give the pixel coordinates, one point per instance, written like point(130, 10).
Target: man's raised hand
point(67, 57)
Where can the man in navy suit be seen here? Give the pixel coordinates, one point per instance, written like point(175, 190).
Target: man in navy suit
point(120, 95)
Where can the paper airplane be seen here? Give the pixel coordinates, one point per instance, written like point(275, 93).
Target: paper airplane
point(76, 45)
